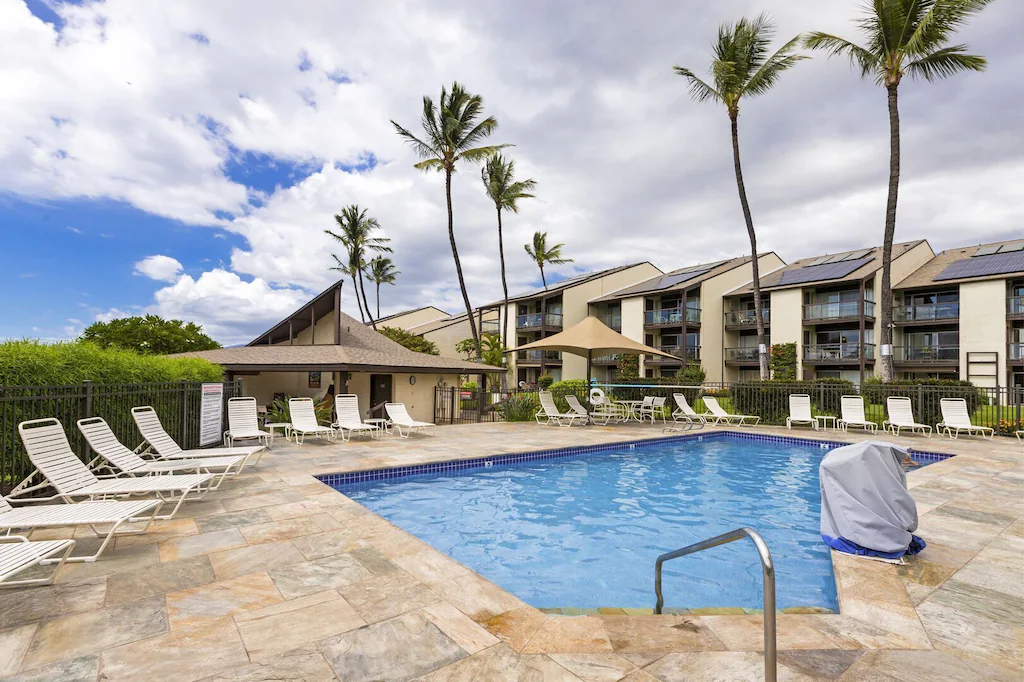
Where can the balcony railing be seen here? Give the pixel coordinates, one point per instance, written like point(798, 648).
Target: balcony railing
point(927, 354)
point(837, 311)
point(741, 354)
point(539, 321)
point(613, 321)
point(672, 316)
point(535, 356)
point(604, 360)
point(1015, 352)
point(745, 318)
point(837, 352)
point(689, 352)
point(926, 313)
point(490, 327)
point(1015, 305)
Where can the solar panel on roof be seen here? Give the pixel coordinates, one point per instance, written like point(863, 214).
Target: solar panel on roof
point(993, 264)
point(834, 259)
point(1013, 246)
point(856, 254)
point(818, 261)
point(986, 251)
point(821, 273)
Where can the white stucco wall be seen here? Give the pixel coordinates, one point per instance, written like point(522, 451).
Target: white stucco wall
point(787, 322)
point(983, 328)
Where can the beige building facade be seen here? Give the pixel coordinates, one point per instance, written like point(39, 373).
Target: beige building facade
point(447, 332)
point(407, 319)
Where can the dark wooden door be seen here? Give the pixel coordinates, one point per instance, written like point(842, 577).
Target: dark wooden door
point(380, 390)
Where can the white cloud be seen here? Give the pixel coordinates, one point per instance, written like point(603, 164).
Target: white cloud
point(113, 314)
point(159, 267)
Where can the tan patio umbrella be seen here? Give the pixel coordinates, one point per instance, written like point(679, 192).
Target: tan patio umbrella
point(589, 338)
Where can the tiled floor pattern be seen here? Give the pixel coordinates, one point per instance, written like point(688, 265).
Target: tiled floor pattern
point(278, 577)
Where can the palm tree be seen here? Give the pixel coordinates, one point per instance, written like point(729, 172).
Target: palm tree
point(452, 132)
point(541, 253)
point(742, 67)
point(903, 37)
point(343, 267)
point(381, 270)
point(498, 176)
point(356, 230)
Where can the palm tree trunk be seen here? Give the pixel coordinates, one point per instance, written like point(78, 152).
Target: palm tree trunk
point(504, 283)
point(378, 300)
point(543, 280)
point(355, 288)
point(885, 361)
point(758, 317)
point(458, 265)
point(366, 304)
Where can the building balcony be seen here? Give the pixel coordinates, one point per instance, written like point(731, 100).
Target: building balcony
point(1015, 307)
point(744, 319)
point(612, 321)
point(490, 327)
point(539, 322)
point(604, 360)
point(742, 357)
point(691, 353)
point(927, 355)
point(838, 353)
point(672, 317)
point(924, 314)
point(533, 357)
point(1015, 353)
point(841, 311)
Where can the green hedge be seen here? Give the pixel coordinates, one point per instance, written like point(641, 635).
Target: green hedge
point(770, 399)
point(925, 401)
point(577, 387)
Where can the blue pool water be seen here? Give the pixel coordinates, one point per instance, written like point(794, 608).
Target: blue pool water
point(584, 530)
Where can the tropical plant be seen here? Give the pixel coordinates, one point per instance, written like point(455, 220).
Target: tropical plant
point(149, 335)
point(521, 407)
point(544, 381)
point(541, 253)
point(692, 375)
point(742, 67)
point(355, 232)
point(498, 176)
point(467, 347)
point(783, 361)
point(381, 270)
point(904, 37)
point(411, 341)
point(351, 272)
point(452, 132)
point(278, 410)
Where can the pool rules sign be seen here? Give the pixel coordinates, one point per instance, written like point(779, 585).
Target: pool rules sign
point(211, 414)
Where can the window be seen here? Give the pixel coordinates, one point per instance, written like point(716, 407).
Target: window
point(693, 340)
point(837, 336)
point(930, 339)
point(649, 373)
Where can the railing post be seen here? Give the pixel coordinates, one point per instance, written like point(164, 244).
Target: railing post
point(451, 414)
point(920, 401)
point(183, 414)
point(86, 413)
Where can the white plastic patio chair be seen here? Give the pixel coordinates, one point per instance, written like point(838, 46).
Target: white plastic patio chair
point(304, 421)
point(120, 460)
point(852, 410)
point(720, 415)
point(685, 413)
point(652, 408)
point(956, 418)
point(550, 414)
point(800, 411)
point(18, 553)
point(244, 423)
point(50, 452)
point(162, 446)
point(346, 410)
point(901, 416)
point(400, 419)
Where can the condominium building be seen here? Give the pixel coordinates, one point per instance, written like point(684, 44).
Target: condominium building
point(961, 316)
point(826, 305)
point(679, 313)
point(407, 319)
point(448, 331)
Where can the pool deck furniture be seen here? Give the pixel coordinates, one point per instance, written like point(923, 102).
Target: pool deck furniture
point(348, 419)
point(720, 416)
point(304, 421)
point(159, 444)
point(901, 416)
point(652, 409)
point(685, 413)
point(400, 419)
point(1020, 435)
point(956, 418)
point(549, 414)
point(630, 409)
point(823, 421)
point(852, 409)
point(800, 411)
point(604, 408)
point(382, 423)
point(244, 423)
point(286, 428)
point(574, 404)
point(18, 553)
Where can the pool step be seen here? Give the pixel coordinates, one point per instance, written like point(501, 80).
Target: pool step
point(703, 611)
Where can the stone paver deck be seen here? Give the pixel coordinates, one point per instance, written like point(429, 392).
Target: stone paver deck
point(278, 577)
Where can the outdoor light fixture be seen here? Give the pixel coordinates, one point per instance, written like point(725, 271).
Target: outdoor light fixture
point(762, 348)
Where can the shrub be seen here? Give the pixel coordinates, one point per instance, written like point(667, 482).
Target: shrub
point(415, 343)
point(770, 399)
point(925, 400)
point(545, 381)
point(782, 361)
point(149, 334)
point(691, 375)
point(829, 400)
point(628, 366)
point(560, 389)
point(521, 407)
point(278, 410)
point(469, 386)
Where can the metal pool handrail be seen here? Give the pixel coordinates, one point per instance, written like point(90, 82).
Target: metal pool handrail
point(769, 584)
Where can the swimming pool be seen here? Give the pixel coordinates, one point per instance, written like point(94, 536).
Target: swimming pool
point(582, 528)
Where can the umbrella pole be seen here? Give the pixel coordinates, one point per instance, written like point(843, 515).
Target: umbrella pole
point(589, 353)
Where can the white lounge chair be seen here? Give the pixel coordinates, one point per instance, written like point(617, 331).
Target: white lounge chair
point(852, 409)
point(162, 446)
point(92, 514)
point(719, 415)
point(400, 419)
point(304, 421)
point(121, 460)
point(346, 410)
point(1020, 435)
point(17, 554)
point(685, 413)
point(244, 423)
point(901, 416)
point(577, 407)
point(50, 452)
point(800, 411)
point(604, 408)
point(956, 418)
point(652, 408)
point(550, 415)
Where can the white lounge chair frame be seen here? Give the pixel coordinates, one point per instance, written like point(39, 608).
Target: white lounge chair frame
point(604, 408)
point(346, 411)
point(901, 416)
point(956, 418)
point(304, 421)
point(852, 409)
point(1020, 435)
point(18, 553)
point(652, 407)
point(800, 411)
point(122, 461)
point(400, 419)
point(550, 415)
point(574, 404)
point(160, 445)
point(50, 452)
point(716, 412)
point(244, 423)
point(685, 413)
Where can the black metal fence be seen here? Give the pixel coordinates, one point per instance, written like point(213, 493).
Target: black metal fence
point(177, 403)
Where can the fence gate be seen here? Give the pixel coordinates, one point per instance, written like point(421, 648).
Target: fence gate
point(454, 405)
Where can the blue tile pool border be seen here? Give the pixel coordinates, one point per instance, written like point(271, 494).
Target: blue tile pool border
point(559, 453)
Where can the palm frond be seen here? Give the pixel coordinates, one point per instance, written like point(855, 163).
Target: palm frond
point(430, 164)
point(699, 90)
point(480, 154)
point(945, 62)
point(422, 149)
point(859, 57)
point(941, 20)
point(766, 76)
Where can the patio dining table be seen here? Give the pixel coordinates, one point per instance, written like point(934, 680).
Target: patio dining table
point(631, 407)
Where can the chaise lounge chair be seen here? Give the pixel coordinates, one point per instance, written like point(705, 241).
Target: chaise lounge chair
point(346, 410)
point(956, 418)
point(50, 452)
point(304, 421)
point(244, 423)
point(604, 408)
point(550, 415)
point(719, 415)
point(17, 554)
point(162, 446)
point(685, 413)
point(577, 407)
point(400, 419)
point(901, 416)
point(800, 411)
point(852, 408)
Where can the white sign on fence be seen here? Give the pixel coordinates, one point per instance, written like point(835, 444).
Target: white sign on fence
point(211, 414)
